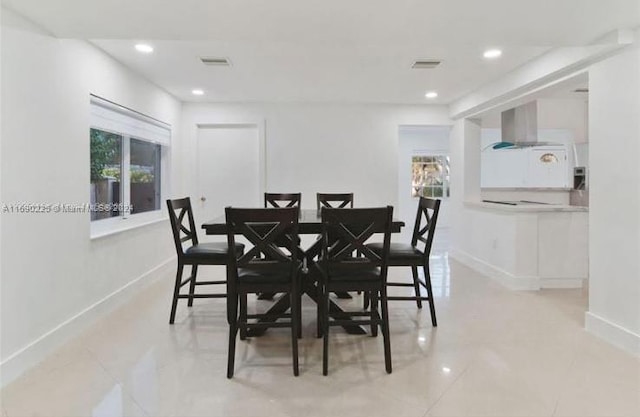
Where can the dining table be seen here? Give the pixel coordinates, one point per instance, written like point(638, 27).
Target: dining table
point(309, 223)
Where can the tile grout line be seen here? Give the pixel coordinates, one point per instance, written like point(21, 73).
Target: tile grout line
point(116, 381)
point(447, 390)
point(560, 391)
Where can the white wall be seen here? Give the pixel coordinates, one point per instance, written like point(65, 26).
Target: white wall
point(465, 178)
point(614, 125)
point(321, 147)
point(51, 271)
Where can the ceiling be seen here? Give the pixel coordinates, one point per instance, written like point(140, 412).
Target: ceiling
point(328, 50)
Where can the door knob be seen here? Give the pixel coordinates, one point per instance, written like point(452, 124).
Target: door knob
point(203, 199)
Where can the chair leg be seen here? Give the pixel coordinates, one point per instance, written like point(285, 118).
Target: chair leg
point(416, 285)
point(176, 292)
point(325, 332)
point(374, 313)
point(319, 310)
point(365, 300)
point(385, 331)
point(192, 284)
point(295, 327)
point(233, 331)
point(432, 306)
point(243, 316)
point(299, 313)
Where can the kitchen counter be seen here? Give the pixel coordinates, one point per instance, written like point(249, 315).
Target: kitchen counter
point(525, 207)
point(526, 246)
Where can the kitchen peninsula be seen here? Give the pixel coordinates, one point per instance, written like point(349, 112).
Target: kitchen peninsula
point(527, 245)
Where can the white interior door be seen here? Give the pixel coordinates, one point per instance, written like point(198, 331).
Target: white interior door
point(230, 169)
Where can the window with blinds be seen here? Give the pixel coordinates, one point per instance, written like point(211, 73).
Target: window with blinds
point(127, 156)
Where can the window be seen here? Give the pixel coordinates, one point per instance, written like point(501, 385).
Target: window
point(106, 172)
point(144, 176)
point(129, 154)
point(430, 176)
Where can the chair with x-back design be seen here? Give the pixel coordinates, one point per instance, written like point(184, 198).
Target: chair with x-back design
point(416, 254)
point(345, 232)
point(334, 200)
point(269, 265)
point(214, 253)
point(282, 200)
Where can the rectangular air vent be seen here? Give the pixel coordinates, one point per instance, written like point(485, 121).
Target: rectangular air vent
point(209, 60)
point(425, 64)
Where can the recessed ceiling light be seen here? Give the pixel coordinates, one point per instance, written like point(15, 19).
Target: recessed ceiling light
point(197, 92)
point(431, 94)
point(492, 53)
point(144, 48)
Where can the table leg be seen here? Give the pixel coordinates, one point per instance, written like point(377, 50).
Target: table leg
point(337, 313)
point(280, 307)
point(308, 287)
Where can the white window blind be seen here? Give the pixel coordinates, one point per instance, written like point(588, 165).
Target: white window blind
point(111, 117)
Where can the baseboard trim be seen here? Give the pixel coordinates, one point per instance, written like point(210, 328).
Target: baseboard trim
point(33, 353)
point(562, 283)
point(612, 333)
point(509, 280)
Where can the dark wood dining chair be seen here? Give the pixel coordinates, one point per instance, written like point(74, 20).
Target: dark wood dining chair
point(196, 254)
point(282, 200)
point(266, 230)
point(416, 254)
point(334, 200)
point(345, 232)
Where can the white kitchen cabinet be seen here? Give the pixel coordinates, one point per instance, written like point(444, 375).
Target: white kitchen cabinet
point(539, 166)
point(547, 168)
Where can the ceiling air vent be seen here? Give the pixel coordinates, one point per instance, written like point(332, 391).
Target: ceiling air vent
point(209, 60)
point(425, 64)
point(581, 90)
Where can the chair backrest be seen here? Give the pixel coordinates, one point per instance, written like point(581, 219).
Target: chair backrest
point(271, 234)
point(282, 200)
point(425, 225)
point(334, 200)
point(347, 231)
point(180, 224)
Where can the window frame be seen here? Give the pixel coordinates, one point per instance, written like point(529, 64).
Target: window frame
point(127, 220)
point(446, 184)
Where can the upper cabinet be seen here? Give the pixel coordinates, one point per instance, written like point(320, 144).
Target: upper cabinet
point(539, 166)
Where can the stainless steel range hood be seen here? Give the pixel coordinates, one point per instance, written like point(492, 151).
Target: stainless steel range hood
point(520, 125)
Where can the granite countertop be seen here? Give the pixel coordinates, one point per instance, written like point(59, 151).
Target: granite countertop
point(522, 206)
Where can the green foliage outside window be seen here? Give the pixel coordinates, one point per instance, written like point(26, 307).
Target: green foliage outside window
point(105, 151)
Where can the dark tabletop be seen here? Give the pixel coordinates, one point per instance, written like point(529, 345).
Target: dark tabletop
point(309, 223)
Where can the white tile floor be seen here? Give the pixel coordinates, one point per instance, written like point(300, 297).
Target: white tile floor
point(495, 353)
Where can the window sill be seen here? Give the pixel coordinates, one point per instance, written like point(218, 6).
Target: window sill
point(110, 227)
